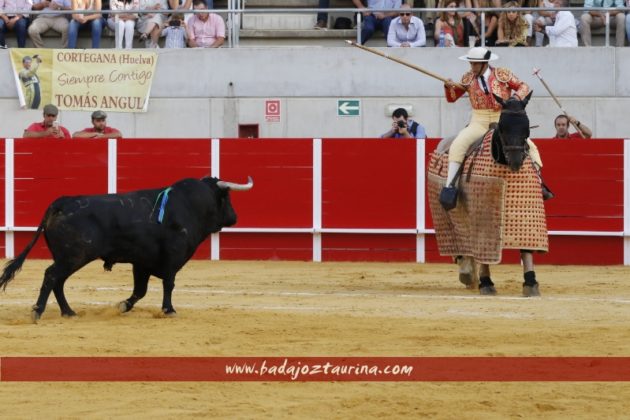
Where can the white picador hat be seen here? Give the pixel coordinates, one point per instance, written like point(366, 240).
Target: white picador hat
point(479, 55)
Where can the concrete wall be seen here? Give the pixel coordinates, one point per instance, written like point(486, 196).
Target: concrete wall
point(207, 93)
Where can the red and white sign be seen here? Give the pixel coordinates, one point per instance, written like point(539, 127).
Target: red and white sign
point(272, 110)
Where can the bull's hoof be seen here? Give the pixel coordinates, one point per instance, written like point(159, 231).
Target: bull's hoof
point(124, 306)
point(170, 312)
point(487, 291)
point(531, 290)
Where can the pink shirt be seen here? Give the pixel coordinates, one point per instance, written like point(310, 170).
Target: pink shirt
point(24, 6)
point(206, 33)
point(39, 127)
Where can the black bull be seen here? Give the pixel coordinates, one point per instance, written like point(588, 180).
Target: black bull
point(157, 231)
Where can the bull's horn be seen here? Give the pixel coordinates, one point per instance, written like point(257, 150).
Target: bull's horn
point(236, 187)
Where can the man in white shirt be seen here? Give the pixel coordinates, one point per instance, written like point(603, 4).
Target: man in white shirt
point(563, 33)
point(406, 30)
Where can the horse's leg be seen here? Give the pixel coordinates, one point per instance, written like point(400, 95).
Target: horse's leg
point(530, 286)
point(486, 287)
point(468, 271)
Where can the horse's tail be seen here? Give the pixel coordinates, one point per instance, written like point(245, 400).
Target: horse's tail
point(14, 266)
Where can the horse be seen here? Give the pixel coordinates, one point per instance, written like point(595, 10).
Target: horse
point(499, 202)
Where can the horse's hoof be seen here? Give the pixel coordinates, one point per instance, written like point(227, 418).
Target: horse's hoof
point(467, 273)
point(35, 316)
point(124, 307)
point(487, 291)
point(170, 312)
point(70, 314)
point(531, 290)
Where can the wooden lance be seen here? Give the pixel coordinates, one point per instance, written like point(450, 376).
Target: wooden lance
point(537, 74)
point(404, 63)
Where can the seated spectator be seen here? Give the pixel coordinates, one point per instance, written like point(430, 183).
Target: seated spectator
point(450, 23)
point(372, 21)
point(123, 24)
point(563, 32)
point(175, 32)
point(183, 5)
point(562, 128)
point(512, 30)
point(322, 17)
point(49, 127)
point(93, 21)
point(56, 22)
point(491, 22)
point(150, 24)
point(594, 20)
point(406, 30)
point(543, 18)
point(14, 22)
point(404, 127)
point(99, 129)
point(205, 30)
point(528, 16)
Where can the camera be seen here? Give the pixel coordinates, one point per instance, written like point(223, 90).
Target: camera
point(175, 23)
point(401, 124)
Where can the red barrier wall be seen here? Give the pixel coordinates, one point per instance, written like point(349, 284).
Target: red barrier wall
point(365, 184)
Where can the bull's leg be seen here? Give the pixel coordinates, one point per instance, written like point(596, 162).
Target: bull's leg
point(54, 275)
point(168, 284)
point(140, 285)
point(61, 298)
point(530, 286)
point(486, 286)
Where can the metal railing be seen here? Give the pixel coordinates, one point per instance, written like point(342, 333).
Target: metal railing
point(236, 9)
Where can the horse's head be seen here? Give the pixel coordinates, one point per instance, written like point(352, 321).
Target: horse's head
point(514, 130)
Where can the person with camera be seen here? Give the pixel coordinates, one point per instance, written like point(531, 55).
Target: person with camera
point(49, 127)
point(175, 32)
point(404, 127)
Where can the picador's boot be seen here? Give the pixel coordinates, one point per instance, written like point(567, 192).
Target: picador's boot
point(546, 192)
point(448, 195)
point(486, 287)
point(530, 286)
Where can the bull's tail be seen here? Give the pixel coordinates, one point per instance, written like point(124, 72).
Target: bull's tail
point(14, 266)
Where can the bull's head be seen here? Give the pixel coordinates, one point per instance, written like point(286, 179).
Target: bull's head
point(226, 211)
point(514, 130)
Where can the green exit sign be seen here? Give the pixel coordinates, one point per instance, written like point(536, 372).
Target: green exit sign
point(348, 107)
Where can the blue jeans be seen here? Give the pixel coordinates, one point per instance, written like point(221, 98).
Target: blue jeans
point(371, 24)
point(19, 29)
point(96, 26)
point(323, 4)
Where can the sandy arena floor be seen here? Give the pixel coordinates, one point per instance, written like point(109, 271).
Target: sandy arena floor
point(282, 309)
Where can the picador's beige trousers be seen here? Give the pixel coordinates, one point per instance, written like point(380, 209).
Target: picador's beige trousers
point(477, 127)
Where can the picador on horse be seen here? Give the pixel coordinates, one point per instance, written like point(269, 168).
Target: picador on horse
point(492, 197)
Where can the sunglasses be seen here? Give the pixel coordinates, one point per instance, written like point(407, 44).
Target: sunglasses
point(405, 14)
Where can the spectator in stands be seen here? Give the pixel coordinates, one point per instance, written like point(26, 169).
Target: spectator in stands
point(175, 32)
point(123, 24)
point(205, 30)
point(563, 32)
point(49, 127)
point(543, 18)
point(99, 129)
point(93, 21)
point(450, 23)
point(404, 127)
point(512, 29)
point(529, 18)
point(372, 21)
point(562, 128)
point(30, 81)
point(56, 22)
point(183, 5)
point(14, 22)
point(594, 20)
point(490, 24)
point(406, 30)
point(150, 24)
point(322, 17)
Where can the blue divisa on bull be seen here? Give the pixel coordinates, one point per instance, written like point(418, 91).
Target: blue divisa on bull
point(124, 228)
